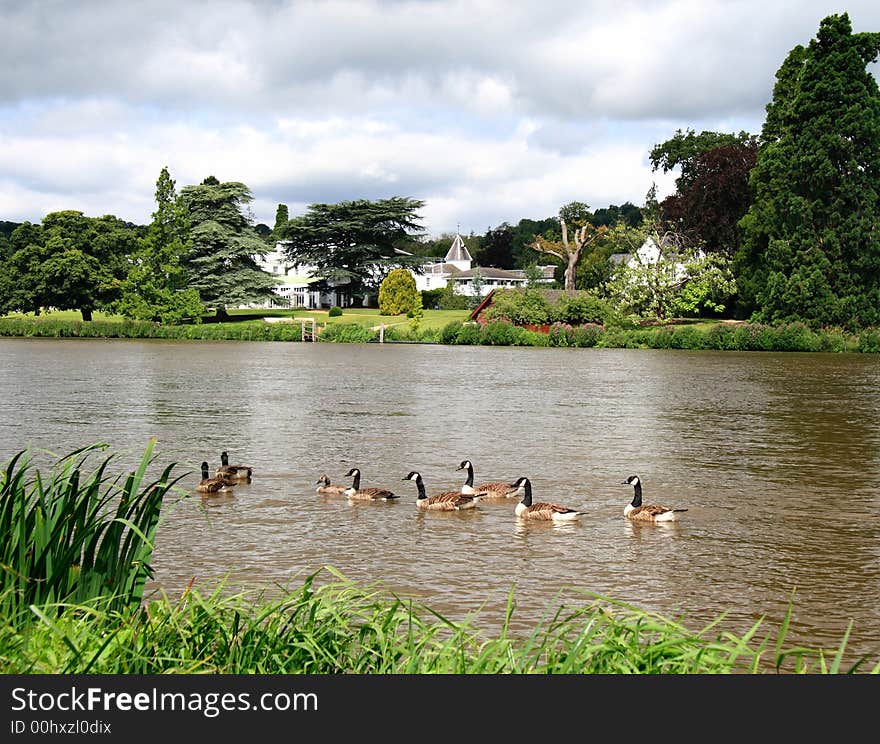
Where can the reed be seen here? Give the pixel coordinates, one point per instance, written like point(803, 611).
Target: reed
point(340, 627)
point(78, 534)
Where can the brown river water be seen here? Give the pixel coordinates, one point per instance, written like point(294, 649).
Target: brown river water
point(775, 456)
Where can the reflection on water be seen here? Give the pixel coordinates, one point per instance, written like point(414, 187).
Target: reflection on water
point(773, 455)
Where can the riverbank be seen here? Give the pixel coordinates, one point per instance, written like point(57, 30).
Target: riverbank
point(361, 327)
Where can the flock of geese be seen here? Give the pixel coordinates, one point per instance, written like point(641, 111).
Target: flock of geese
point(228, 476)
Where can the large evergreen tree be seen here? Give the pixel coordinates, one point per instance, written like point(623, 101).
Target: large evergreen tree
point(220, 260)
point(811, 244)
point(156, 286)
point(360, 241)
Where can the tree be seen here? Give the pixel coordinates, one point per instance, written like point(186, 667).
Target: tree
point(69, 262)
point(398, 293)
point(281, 217)
point(355, 241)
point(156, 285)
point(708, 206)
point(666, 276)
point(585, 234)
point(811, 248)
point(496, 248)
point(683, 149)
point(222, 243)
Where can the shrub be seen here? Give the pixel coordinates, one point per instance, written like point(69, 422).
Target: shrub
point(470, 334)
point(346, 333)
point(527, 307)
point(398, 293)
point(498, 333)
point(796, 336)
point(450, 332)
point(579, 309)
point(334, 312)
point(432, 298)
point(869, 341)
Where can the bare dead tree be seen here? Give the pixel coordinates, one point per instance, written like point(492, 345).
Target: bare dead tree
point(569, 253)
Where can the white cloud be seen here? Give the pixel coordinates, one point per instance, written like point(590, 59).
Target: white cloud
point(488, 111)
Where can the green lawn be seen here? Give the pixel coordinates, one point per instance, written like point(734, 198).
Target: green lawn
point(368, 317)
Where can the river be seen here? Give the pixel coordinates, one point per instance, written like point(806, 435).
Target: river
point(775, 456)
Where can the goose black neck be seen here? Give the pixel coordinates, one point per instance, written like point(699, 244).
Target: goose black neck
point(204, 471)
point(637, 495)
point(420, 484)
point(470, 478)
point(224, 458)
point(356, 483)
point(527, 496)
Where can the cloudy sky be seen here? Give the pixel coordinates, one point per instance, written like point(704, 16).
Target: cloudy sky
point(489, 110)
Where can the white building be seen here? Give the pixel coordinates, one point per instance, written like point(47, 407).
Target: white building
point(468, 279)
point(295, 286)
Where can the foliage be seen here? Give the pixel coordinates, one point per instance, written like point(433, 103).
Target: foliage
point(156, 285)
point(585, 236)
point(336, 626)
point(70, 261)
point(666, 276)
point(431, 298)
point(281, 217)
point(347, 333)
point(358, 241)
point(810, 247)
point(521, 307)
point(451, 300)
point(76, 535)
point(684, 149)
point(222, 244)
point(709, 204)
point(334, 312)
point(398, 293)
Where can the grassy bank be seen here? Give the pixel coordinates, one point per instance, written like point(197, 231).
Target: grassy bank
point(76, 554)
point(451, 327)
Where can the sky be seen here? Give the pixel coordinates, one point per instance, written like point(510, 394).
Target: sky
point(488, 111)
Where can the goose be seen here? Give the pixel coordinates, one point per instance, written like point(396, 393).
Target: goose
point(241, 473)
point(544, 510)
point(489, 490)
point(324, 487)
point(446, 501)
point(639, 512)
point(217, 484)
point(366, 494)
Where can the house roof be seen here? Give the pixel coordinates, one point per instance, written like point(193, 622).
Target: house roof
point(458, 251)
point(488, 272)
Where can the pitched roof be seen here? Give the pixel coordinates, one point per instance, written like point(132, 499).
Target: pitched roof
point(488, 272)
point(458, 251)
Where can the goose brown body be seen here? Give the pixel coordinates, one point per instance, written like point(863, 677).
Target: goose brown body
point(324, 487)
point(445, 501)
point(241, 473)
point(639, 512)
point(366, 494)
point(217, 484)
point(489, 489)
point(542, 510)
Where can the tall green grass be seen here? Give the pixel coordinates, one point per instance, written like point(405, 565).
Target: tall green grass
point(78, 534)
point(339, 627)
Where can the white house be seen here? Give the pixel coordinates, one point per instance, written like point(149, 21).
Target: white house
point(295, 286)
point(468, 279)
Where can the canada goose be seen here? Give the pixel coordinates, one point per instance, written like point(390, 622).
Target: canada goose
point(366, 494)
point(638, 512)
point(446, 501)
point(241, 473)
point(543, 509)
point(489, 490)
point(324, 487)
point(217, 484)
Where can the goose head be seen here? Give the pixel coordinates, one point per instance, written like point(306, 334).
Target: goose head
point(204, 471)
point(636, 483)
point(353, 471)
point(324, 480)
point(413, 476)
point(465, 465)
point(526, 485)
point(224, 458)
